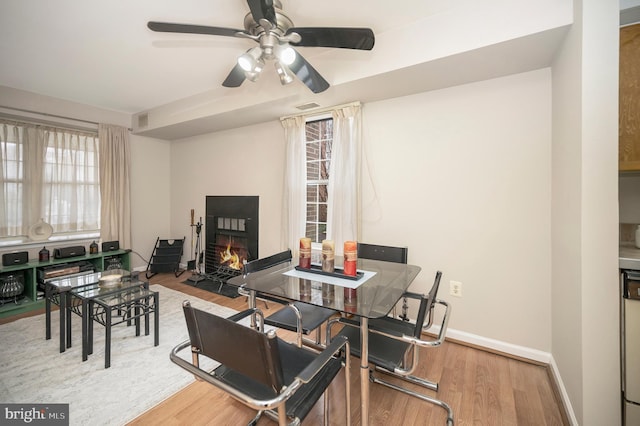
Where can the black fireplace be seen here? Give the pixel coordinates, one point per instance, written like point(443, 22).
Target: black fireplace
point(231, 234)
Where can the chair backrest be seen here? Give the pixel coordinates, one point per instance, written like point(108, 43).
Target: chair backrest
point(426, 304)
point(242, 349)
point(267, 262)
point(384, 253)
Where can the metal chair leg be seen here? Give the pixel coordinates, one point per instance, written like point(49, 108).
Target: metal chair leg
point(254, 421)
point(417, 395)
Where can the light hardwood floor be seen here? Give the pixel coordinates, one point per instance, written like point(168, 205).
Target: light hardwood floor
point(482, 387)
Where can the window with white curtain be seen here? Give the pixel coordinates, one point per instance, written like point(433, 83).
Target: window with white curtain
point(319, 141)
point(50, 174)
point(321, 197)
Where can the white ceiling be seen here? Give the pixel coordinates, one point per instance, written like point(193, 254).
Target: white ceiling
point(101, 53)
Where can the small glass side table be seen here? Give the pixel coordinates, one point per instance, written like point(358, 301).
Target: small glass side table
point(79, 303)
point(57, 292)
point(126, 305)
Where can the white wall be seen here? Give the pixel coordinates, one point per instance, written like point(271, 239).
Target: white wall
point(600, 369)
point(243, 161)
point(585, 299)
point(462, 177)
point(150, 196)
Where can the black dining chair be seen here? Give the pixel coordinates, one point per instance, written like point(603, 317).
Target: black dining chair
point(387, 254)
point(298, 317)
point(393, 344)
point(264, 263)
point(274, 377)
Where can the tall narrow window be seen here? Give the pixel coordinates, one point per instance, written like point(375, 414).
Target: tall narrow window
point(321, 198)
point(319, 141)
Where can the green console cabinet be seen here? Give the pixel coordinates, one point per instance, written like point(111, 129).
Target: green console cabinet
point(32, 298)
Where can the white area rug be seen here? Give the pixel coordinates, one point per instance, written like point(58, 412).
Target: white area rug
point(32, 369)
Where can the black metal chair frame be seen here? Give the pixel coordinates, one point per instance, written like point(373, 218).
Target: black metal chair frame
point(260, 370)
point(264, 263)
point(394, 344)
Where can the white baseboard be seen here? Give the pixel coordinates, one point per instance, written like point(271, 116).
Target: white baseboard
point(519, 351)
point(563, 393)
point(500, 346)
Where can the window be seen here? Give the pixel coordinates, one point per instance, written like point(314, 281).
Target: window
point(319, 141)
point(51, 174)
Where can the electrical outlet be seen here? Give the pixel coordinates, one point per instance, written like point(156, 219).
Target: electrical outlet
point(455, 288)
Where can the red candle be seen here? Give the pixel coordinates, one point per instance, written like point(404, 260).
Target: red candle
point(350, 300)
point(350, 257)
point(305, 253)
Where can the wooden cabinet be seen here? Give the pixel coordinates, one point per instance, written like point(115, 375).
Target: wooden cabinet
point(629, 118)
point(29, 275)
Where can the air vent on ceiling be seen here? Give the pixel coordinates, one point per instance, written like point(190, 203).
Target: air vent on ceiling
point(307, 106)
point(143, 120)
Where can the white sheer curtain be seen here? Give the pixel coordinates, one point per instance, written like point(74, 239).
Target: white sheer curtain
point(34, 143)
point(20, 205)
point(71, 179)
point(47, 173)
point(344, 192)
point(115, 191)
point(294, 209)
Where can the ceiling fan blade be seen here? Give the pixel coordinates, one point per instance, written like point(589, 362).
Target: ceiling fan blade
point(167, 27)
point(262, 9)
point(235, 78)
point(345, 38)
point(308, 75)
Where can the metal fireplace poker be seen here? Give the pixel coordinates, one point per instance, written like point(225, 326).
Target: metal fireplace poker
point(195, 265)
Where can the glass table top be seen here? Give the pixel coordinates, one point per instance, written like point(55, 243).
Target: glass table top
point(81, 280)
point(382, 286)
point(123, 296)
point(94, 290)
point(75, 281)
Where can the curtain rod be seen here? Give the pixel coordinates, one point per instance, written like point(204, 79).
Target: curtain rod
point(46, 114)
point(321, 110)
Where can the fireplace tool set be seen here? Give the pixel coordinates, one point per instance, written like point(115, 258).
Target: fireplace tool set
point(195, 265)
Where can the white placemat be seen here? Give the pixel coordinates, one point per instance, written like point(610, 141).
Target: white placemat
point(342, 282)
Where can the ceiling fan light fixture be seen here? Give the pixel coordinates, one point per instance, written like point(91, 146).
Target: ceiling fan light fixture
point(287, 55)
point(254, 73)
point(284, 73)
point(251, 61)
point(246, 62)
point(251, 76)
point(258, 67)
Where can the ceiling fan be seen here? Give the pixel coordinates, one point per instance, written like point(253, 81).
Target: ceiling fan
point(267, 25)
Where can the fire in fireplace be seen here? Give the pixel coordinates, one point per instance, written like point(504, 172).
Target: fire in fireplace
point(230, 247)
point(231, 234)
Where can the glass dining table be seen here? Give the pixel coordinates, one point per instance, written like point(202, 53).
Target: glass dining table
point(372, 294)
